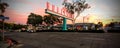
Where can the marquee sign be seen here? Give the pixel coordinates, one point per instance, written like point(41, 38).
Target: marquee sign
point(62, 12)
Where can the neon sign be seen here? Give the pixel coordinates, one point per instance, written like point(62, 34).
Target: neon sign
point(62, 12)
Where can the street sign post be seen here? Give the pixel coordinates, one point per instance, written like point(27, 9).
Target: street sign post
point(3, 18)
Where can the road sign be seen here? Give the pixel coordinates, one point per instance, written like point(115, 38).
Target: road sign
point(2, 17)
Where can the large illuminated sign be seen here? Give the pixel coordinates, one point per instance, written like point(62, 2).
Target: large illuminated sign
point(62, 12)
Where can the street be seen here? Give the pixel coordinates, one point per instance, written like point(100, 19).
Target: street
point(66, 39)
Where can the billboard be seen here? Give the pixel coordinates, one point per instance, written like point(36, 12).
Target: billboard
point(62, 12)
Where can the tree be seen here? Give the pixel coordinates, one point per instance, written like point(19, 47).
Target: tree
point(38, 19)
point(34, 19)
point(100, 24)
point(75, 7)
point(51, 19)
point(3, 6)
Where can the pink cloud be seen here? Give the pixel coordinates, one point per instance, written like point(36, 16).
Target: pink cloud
point(29, 3)
point(15, 17)
point(21, 18)
point(39, 11)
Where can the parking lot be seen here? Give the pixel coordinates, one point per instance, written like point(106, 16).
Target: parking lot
point(66, 39)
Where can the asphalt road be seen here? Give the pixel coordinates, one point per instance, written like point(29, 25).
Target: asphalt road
point(66, 39)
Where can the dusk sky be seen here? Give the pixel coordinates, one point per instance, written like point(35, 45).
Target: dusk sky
point(19, 10)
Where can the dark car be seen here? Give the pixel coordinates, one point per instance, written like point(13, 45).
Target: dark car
point(112, 27)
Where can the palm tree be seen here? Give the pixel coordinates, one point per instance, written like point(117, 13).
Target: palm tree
point(3, 6)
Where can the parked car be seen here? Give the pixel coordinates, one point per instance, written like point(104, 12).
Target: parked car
point(85, 26)
point(112, 27)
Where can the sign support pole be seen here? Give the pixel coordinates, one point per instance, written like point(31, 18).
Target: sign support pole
point(64, 24)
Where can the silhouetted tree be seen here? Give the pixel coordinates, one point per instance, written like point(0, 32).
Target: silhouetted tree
point(77, 6)
point(34, 19)
point(51, 19)
point(3, 6)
